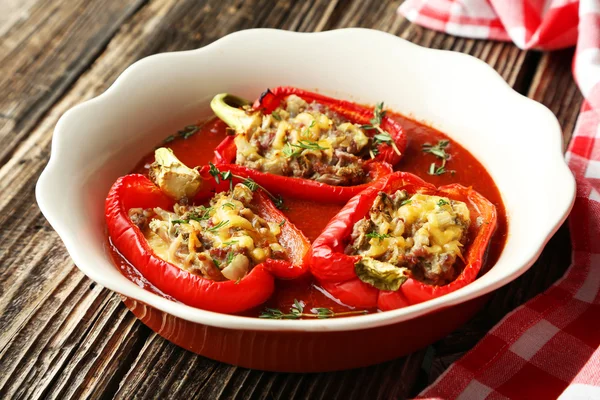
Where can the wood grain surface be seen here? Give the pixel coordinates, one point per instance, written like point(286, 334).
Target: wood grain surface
point(63, 336)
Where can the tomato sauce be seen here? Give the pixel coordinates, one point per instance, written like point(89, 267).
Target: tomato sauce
point(311, 216)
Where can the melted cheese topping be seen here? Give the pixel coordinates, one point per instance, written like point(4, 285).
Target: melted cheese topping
point(423, 234)
point(305, 140)
point(223, 241)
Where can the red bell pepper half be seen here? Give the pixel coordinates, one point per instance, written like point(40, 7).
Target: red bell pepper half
point(380, 165)
point(335, 270)
point(229, 297)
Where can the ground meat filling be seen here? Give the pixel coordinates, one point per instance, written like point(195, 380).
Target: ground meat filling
point(307, 141)
point(419, 236)
point(223, 241)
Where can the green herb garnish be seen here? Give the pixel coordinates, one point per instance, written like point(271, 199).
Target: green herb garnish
point(382, 137)
point(217, 263)
point(205, 213)
point(218, 175)
point(248, 182)
point(297, 311)
point(278, 201)
point(442, 202)
point(228, 205)
point(323, 312)
point(376, 235)
point(306, 131)
point(438, 150)
point(218, 226)
point(308, 145)
point(188, 131)
point(229, 243)
point(169, 139)
point(282, 223)
point(251, 184)
point(435, 170)
point(194, 216)
point(230, 256)
point(290, 152)
point(197, 217)
point(276, 116)
point(214, 171)
point(405, 202)
point(378, 114)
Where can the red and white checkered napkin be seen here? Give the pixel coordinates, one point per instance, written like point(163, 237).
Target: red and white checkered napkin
point(547, 348)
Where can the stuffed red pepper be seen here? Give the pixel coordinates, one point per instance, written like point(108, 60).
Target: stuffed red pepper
point(307, 145)
point(209, 239)
point(403, 241)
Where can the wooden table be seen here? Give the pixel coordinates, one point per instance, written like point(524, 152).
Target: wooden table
point(63, 336)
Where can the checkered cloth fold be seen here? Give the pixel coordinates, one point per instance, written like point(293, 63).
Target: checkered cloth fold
point(547, 348)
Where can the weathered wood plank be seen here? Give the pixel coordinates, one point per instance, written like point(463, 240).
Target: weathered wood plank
point(14, 11)
point(553, 85)
point(59, 340)
point(44, 47)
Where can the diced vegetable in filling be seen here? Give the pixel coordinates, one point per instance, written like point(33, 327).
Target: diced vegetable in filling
point(174, 178)
point(223, 241)
point(305, 140)
point(420, 236)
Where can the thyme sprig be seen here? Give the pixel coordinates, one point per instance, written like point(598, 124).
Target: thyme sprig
point(290, 152)
point(306, 131)
point(194, 216)
point(376, 235)
point(251, 184)
point(308, 145)
point(435, 170)
point(218, 226)
point(382, 137)
point(169, 139)
point(188, 131)
point(184, 133)
point(438, 150)
point(297, 311)
point(295, 149)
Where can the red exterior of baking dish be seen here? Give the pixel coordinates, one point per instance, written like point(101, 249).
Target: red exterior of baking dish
point(307, 351)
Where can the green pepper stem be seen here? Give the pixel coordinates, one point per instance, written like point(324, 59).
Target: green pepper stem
point(226, 107)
